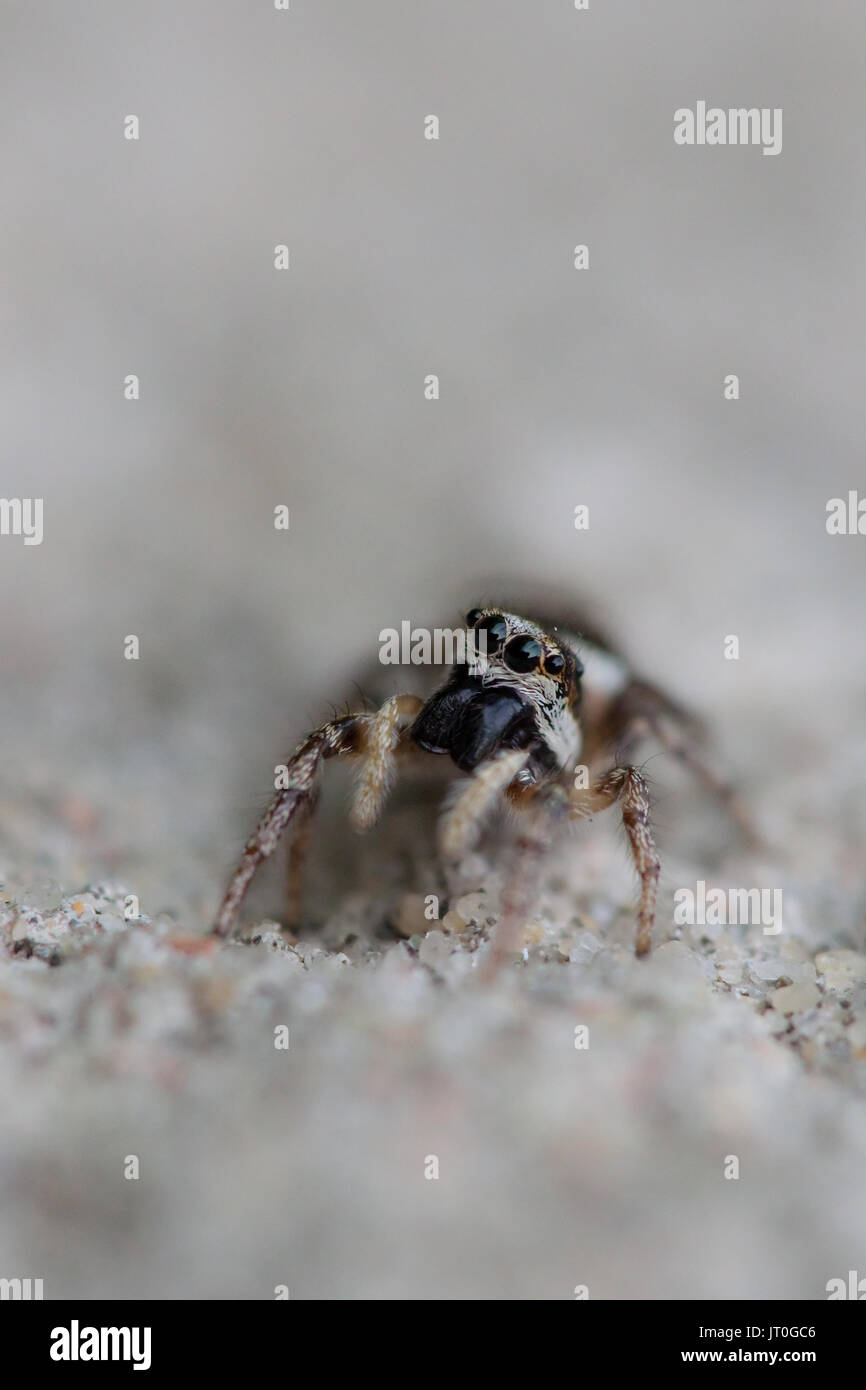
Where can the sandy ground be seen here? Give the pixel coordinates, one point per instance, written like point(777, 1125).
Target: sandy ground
point(559, 1166)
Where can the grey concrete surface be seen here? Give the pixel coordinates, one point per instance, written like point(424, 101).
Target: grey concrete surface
point(558, 1167)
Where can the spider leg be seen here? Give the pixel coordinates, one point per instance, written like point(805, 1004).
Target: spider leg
point(628, 786)
point(546, 809)
point(346, 736)
point(687, 749)
point(298, 847)
point(383, 735)
point(642, 709)
point(493, 779)
point(462, 821)
point(339, 736)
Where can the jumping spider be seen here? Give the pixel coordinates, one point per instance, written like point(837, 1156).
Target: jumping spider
point(538, 715)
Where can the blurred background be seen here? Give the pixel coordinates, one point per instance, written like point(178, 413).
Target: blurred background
point(559, 387)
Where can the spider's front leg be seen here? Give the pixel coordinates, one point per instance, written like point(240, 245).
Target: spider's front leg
point(542, 809)
point(544, 813)
point(494, 779)
point(463, 820)
point(374, 736)
point(628, 786)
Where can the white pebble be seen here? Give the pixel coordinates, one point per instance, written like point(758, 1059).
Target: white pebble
point(795, 999)
point(841, 969)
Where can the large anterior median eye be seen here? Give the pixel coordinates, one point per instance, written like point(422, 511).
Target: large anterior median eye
point(522, 654)
point(495, 631)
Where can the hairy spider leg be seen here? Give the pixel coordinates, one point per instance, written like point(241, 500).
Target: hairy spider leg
point(629, 787)
point(462, 821)
point(350, 736)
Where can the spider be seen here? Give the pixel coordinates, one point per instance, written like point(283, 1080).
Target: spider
point(539, 716)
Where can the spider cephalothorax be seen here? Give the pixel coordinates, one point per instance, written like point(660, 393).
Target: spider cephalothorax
point(516, 716)
point(518, 690)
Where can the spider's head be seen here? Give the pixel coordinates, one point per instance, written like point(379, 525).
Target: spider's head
point(518, 689)
point(514, 650)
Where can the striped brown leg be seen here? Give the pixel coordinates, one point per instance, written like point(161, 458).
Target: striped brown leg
point(375, 734)
point(628, 786)
point(299, 843)
point(340, 736)
point(692, 756)
point(642, 710)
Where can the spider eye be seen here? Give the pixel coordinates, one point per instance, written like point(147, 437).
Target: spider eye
point(472, 617)
point(522, 654)
point(554, 663)
point(495, 629)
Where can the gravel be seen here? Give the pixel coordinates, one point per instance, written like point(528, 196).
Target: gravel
point(583, 1111)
